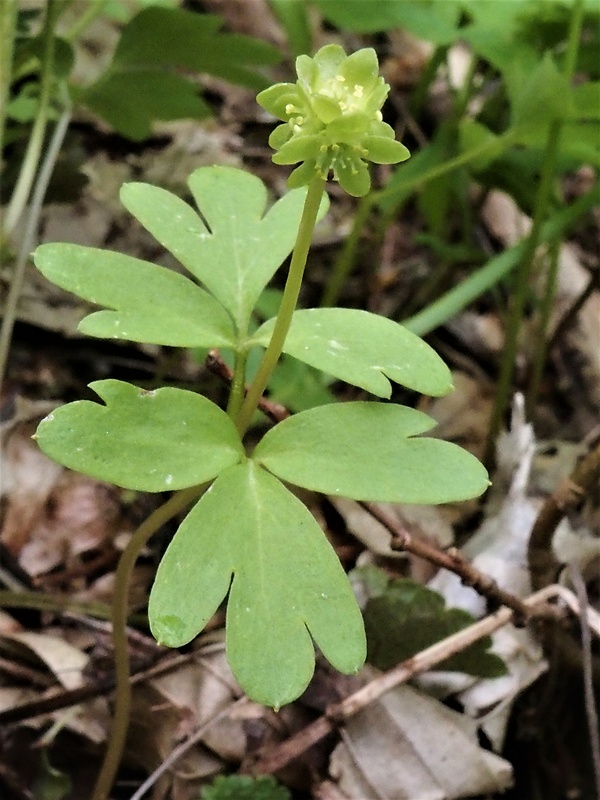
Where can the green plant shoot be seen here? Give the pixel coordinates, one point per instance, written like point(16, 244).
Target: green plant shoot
point(248, 537)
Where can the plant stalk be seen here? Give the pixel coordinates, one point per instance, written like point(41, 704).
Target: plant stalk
point(288, 304)
point(85, 20)
point(541, 335)
point(344, 263)
point(542, 202)
point(22, 189)
point(496, 269)
point(120, 605)
point(238, 384)
point(10, 310)
point(8, 26)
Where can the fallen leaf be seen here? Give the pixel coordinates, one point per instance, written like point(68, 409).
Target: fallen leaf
point(408, 746)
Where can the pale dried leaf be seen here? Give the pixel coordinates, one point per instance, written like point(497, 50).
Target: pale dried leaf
point(408, 746)
point(62, 659)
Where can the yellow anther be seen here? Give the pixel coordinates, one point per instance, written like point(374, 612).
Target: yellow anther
point(358, 91)
point(290, 108)
point(379, 116)
point(342, 105)
point(323, 148)
point(340, 78)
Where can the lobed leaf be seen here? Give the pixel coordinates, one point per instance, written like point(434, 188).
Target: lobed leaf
point(362, 349)
point(149, 303)
point(174, 37)
point(542, 97)
point(287, 586)
point(145, 440)
point(407, 617)
point(367, 451)
point(158, 96)
point(143, 83)
point(240, 250)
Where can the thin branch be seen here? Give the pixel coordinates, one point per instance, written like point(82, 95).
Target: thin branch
point(181, 749)
point(275, 757)
point(455, 562)
point(543, 565)
point(591, 711)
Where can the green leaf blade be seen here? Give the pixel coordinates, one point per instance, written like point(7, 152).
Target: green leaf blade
point(288, 586)
point(237, 255)
point(368, 451)
point(247, 245)
point(158, 96)
point(149, 303)
point(148, 441)
point(362, 349)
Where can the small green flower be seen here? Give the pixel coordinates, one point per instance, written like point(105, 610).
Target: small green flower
point(332, 119)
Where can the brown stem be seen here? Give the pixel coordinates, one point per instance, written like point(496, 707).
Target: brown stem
point(569, 493)
point(274, 757)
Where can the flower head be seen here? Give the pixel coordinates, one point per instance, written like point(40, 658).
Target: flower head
point(332, 119)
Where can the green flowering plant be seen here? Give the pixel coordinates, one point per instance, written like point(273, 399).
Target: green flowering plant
point(247, 537)
point(332, 119)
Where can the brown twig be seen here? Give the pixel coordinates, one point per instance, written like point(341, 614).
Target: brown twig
point(455, 562)
point(585, 478)
point(275, 411)
point(60, 699)
point(588, 672)
point(274, 757)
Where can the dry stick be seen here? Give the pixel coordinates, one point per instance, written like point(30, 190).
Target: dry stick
point(588, 679)
point(452, 560)
point(186, 745)
point(543, 566)
point(64, 698)
point(274, 758)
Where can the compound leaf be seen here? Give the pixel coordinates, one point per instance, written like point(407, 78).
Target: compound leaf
point(158, 96)
point(237, 255)
point(150, 304)
point(368, 451)
point(143, 83)
point(287, 587)
point(362, 349)
point(174, 37)
point(146, 440)
point(542, 97)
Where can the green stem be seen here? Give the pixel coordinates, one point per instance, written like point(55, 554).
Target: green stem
point(496, 269)
point(8, 26)
point(37, 200)
point(347, 258)
point(22, 190)
point(552, 278)
point(385, 199)
point(92, 11)
point(120, 604)
point(53, 602)
point(288, 304)
point(541, 333)
point(238, 384)
point(385, 196)
point(542, 202)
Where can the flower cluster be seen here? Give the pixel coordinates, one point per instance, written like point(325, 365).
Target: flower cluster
point(332, 119)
